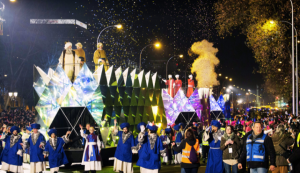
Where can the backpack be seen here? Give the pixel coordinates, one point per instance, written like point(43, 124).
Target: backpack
point(193, 155)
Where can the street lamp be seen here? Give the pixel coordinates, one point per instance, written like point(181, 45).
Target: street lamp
point(156, 45)
point(180, 56)
point(220, 74)
point(293, 61)
point(226, 77)
point(13, 96)
point(119, 26)
point(230, 79)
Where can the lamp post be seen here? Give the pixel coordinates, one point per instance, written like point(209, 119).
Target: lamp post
point(180, 56)
point(117, 26)
point(157, 45)
point(13, 96)
point(293, 62)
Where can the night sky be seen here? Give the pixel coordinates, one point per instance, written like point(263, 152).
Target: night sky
point(176, 24)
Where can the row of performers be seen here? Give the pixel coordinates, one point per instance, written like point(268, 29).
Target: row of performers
point(175, 85)
point(148, 145)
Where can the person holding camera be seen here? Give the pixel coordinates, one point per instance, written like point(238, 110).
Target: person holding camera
point(230, 145)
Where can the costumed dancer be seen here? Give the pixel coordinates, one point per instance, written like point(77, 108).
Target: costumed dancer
point(215, 155)
point(191, 86)
point(166, 144)
point(178, 138)
point(141, 128)
point(36, 144)
point(11, 156)
point(54, 150)
point(123, 154)
point(70, 62)
point(171, 85)
point(149, 160)
point(80, 53)
point(100, 57)
point(91, 156)
point(25, 136)
point(178, 84)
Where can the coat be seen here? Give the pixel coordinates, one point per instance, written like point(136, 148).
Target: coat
point(235, 148)
point(55, 150)
point(151, 150)
point(9, 154)
point(123, 151)
point(100, 54)
point(36, 153)
point(295, 157)
point(285, 141)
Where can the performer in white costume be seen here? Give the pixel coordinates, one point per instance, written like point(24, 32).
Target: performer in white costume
point(70, 61)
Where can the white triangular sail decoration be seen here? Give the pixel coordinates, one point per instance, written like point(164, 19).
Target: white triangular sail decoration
point(132, 75)
point(140, 76)
point(125, 74)
point(108, 74)
point(118, 73)
point(154, 79)
point(97, 74)
point(147, 77)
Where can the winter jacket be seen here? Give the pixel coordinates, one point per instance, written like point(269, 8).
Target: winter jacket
point(285, 141)
point(235, 148)
point(180, 148)
point(295, 157)
point(270, 152)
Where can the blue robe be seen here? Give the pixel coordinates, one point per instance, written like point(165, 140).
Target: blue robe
point(95, 154)
point(137, 142)
point(57, 156)
point(36, 153)
point(163, 138)
point(150, 158)
point(178, 139)
point(9, 154)
point(123, 151)
point(215, 157)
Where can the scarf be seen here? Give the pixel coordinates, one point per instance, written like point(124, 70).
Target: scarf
point(217, 135)
point(255, 136)
point(231, 136)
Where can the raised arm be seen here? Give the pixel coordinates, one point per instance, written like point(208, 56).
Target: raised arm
point(115, 130)
point(82, 132)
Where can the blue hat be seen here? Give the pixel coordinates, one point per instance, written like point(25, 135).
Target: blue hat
point(35, 126)
point(123, 125)
point(216, 123)
point(13, 128)
point(168, 130)
point(52, 131)
point(28, 128)
point(152, 127)
point(176, 127)
point(141, 124)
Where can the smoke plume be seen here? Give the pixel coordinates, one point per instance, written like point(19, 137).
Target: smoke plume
point(204, 65)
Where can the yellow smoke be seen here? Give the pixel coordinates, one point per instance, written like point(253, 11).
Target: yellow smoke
point(204, 65)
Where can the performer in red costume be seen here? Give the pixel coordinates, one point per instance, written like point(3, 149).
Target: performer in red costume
point(171, 85)
point(191, 86)
point(178, 84)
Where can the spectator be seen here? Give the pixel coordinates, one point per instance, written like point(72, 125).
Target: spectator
point(281, 142)
point(230, 144)
point(189, 148)
point(257, 150)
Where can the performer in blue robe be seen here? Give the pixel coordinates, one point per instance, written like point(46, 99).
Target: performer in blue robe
point(166, 144)
point(141, 137)
point(36, 142)
point(178, 138)
point(91, 156)
point(25, 136)
point(168, 131)
point(149, 160)
point(11, 155)
point(54, 150)
point(215, 154)
point(123, 154)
